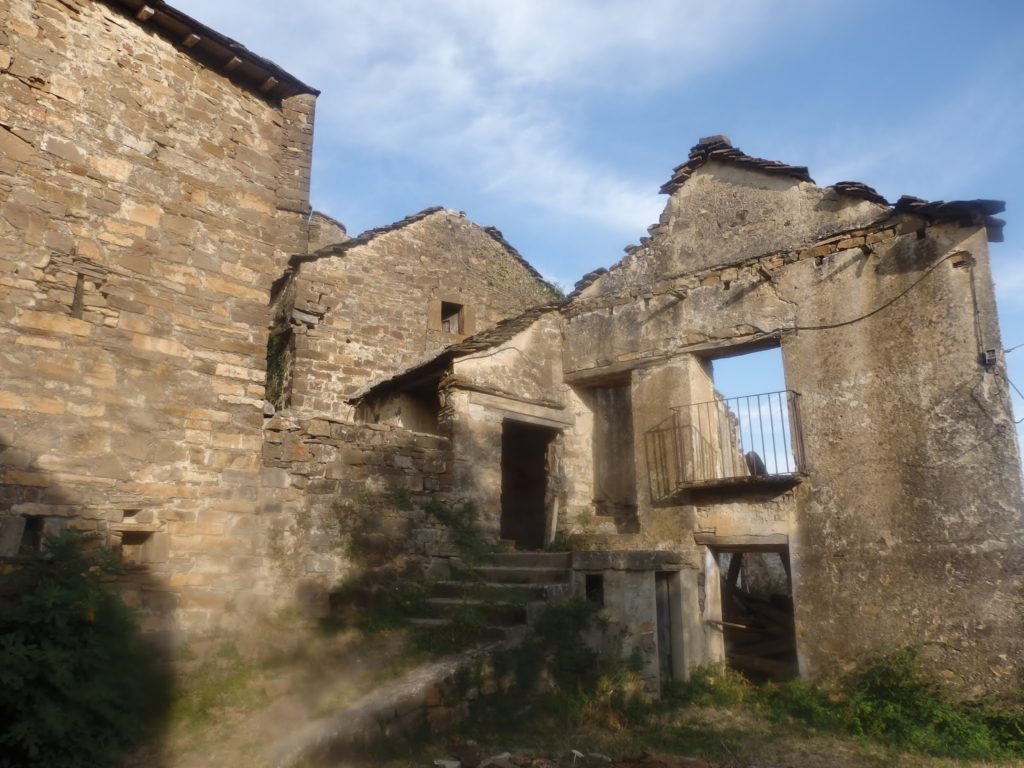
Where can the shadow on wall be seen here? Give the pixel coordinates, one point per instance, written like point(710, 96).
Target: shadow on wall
point(82, 685)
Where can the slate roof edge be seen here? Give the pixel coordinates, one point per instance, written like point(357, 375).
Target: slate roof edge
point(213, 49)
point(499, 238)
point(720, 148)
point(340, 225)
point(369, 235)
point(337, 249)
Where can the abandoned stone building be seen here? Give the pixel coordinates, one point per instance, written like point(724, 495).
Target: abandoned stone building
point(204, 373)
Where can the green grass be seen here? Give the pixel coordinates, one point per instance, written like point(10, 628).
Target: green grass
point(894, 701)
point(222, 681)
point(550, 695)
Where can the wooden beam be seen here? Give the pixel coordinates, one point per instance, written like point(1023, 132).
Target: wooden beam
point(190, 39)
point(145, 13)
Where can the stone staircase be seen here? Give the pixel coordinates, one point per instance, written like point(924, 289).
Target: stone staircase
point(508, 589)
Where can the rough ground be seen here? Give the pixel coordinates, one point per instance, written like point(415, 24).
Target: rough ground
point(233, 713)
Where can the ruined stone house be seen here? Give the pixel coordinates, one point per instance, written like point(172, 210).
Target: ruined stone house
point(200, 370)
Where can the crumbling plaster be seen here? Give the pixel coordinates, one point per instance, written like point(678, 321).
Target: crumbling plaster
point(911, 453)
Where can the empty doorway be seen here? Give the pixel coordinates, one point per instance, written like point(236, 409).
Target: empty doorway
point(524, 483)
point(757, 611)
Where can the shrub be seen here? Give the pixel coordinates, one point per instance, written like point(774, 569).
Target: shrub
point(895, 701)
point(77, 686)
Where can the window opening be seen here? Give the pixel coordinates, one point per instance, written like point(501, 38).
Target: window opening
point(78, 301)
point(32, 534)
point(752, 387)
point(133, 547)
point(594, 586)
point(451, 317)
point(614, 468)
point(741, 425)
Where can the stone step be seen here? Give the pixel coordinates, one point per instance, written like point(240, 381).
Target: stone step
point(529, 559)
point(494, 613)
point(499, 591)
point(523, 575)
point(513, 632)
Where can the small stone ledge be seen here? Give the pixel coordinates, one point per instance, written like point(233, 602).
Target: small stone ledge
point(627, 560)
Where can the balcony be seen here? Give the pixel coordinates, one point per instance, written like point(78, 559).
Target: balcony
point(753, 440)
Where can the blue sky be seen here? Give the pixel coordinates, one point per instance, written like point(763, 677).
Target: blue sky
point(557, 120)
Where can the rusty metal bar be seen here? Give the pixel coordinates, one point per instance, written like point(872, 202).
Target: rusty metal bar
point(727, 440)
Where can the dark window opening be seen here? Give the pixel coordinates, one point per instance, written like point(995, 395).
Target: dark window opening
point(614, 465)
point(421, 409)
point(594, 586)
point(78, 301)
point(134, 547)
point(757, 612)
point(451, 317)
point(32, 534)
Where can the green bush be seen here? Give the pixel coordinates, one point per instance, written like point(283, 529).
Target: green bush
point(77, 686)
point(895, 701)
point(715, 685)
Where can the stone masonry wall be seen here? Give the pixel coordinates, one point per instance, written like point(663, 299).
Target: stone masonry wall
point(342, 497)
point(146, 205)
point(371, 307)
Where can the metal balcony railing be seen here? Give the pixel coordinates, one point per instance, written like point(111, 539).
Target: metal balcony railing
point(750, 439)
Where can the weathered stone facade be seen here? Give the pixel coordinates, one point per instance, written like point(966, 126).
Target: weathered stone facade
point(146, 204)
point(214, 378)
point(372, 305)
point(897, 516)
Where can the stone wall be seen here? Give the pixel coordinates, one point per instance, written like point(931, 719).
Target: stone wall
point(340, 498)
point(371, 307)
point(905, 528)
point(519, 379)
point(324, 232)
point(146, 205)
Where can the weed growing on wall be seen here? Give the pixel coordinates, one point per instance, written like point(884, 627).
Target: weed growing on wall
point(386, 586)
point(77, 685)
point(464, 526)
point(553, 678)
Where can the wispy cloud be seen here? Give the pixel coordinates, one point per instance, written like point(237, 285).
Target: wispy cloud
point(480, 88)
point(954, 137)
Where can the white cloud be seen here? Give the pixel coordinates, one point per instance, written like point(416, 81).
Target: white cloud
point(481, 86)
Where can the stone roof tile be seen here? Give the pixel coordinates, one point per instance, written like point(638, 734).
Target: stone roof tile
point(214, 50)
point(720, 148)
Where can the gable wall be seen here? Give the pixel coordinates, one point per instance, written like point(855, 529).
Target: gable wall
point(172, 198)
point(906, 527)
point(725, 214)
point(367, 309)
